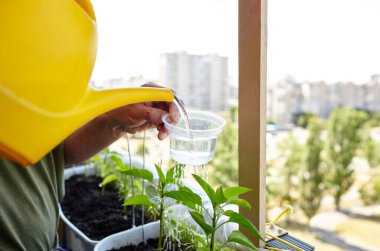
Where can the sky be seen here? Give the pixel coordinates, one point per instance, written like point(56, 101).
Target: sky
point(331, 40)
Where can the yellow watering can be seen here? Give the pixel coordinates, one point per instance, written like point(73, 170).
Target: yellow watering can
point(47, 53)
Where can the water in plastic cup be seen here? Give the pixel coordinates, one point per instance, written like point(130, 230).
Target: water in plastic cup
point(195, 146)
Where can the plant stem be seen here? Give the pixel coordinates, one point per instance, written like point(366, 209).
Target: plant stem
point(212, 248)
point(161, 221)
point(132, 183)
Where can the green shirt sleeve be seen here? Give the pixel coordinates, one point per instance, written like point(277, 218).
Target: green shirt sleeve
point(29, 200)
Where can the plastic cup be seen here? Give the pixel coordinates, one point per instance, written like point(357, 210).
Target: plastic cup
point(195, 146)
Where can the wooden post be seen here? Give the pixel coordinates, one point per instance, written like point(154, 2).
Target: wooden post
point(252, 107)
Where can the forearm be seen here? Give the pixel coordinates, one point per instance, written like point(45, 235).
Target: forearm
point(91, 139)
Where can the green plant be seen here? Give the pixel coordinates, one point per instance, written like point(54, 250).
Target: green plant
point(312, 179)
point(344, 138)
point(369, 150)
point(104, 162)
point(225, 162)
point(370, 191)
point(157, 193)
point(220, 198)
point(288, 169)
point(305, 118)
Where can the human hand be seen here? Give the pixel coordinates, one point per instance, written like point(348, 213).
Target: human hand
point(134, 118)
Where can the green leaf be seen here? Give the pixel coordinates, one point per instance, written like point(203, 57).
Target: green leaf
point(117, 160)
point(241, 203)
point(161, 174)
point(152, 194)
point(140, 199)
point(170, 176)
point(202, 222)
point(186, 189)
point(122, 169)
point(201, 240)
point(184, 196)
point(139, 173)
point(219, 196)
point(203, 249)
point(238, 237)
point(110, 178)
point(189, 204)
point(232, 192)
point(244, 222)
point(206, 187)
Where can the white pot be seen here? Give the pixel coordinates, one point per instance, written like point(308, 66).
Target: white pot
point(132, 236)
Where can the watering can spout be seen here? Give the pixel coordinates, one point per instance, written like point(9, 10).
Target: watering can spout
point(47, 54)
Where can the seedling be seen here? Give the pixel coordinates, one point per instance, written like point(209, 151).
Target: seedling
point(220, 198)
point(157, 193)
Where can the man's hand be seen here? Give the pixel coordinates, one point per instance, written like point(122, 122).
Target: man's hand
point(141, 116)
point(107, 128)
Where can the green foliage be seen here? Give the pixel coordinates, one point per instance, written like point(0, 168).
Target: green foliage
point(156, 194)
point(234, 114)
point(344, 138)
point(238, 237)
point(270, 121)
point(283, 175)
point(219, 199)
point(370, 150)
point(312, 175)
point(114, 171)
point(370, 191)
point(225, 162)
point(105, 162)
point(108, 179)
point(374, 120)
point(305, 118)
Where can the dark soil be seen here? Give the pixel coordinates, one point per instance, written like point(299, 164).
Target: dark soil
point(150, 245)
point(96, 214)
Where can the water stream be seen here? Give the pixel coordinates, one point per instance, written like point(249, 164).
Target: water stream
point(182, 148)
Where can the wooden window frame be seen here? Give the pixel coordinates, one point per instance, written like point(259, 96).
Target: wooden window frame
point(252, 107)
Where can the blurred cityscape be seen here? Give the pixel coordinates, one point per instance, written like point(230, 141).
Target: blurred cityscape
point(288, 99)
point(203, 83)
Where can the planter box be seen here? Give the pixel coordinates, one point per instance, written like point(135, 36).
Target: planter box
point(129, 237)
point(134, 237)
point(74, 238)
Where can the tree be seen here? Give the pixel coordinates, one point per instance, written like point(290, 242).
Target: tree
point(304, 118)
point(225, 161)
point(370, 150)
point(283, 173)
point(312, 177)
point(344, 137)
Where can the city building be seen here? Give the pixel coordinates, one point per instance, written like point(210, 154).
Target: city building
point(314, 98)
point(287, 99)
point(284, 101)
point(200, 80)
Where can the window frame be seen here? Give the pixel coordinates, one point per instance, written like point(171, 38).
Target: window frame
point(252, 108)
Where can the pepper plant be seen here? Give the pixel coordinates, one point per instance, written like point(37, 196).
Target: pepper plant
point(220, 198)
point(157, 192)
